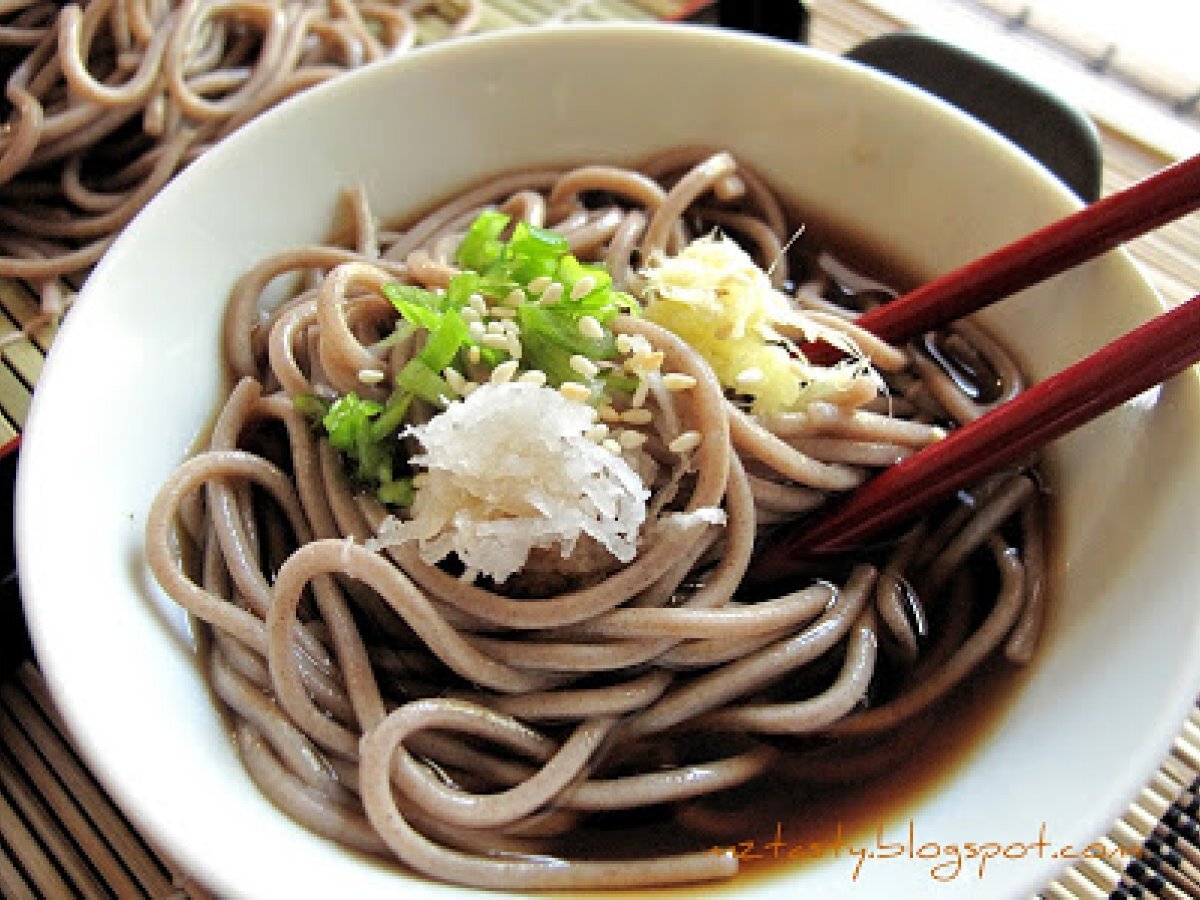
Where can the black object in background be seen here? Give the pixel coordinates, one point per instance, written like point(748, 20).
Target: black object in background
point(786, 19)
point(14, 639)
point(1048, 128)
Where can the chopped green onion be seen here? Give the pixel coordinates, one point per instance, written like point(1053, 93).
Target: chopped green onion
point(481, 246)
point(398, 492)
point(445, 340)
point(429, 385)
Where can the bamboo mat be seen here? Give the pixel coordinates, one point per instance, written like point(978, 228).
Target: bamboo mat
point(61, 836)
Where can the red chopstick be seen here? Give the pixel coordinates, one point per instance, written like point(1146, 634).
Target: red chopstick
point(1062, 245)
point(1136, 362)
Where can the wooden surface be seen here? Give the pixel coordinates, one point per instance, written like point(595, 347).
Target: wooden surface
point(61, 836)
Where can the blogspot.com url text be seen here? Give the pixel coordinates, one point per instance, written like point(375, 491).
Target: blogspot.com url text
point(947, 860)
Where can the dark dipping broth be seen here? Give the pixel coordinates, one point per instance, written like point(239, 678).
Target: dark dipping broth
point(825, 789)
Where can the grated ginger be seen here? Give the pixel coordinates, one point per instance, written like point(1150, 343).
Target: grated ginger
point(510, 469)
point(714, 297)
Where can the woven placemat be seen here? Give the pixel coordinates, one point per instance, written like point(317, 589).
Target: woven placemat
point(60, 834)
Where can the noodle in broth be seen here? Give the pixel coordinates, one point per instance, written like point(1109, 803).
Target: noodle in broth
point(475, 729)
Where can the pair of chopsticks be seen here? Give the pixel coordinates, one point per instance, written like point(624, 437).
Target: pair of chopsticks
point(1130, 365)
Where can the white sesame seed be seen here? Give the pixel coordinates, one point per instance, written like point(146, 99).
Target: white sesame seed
point(637, 416)
point(583, 366)
point(678, 381)
point(503, 312)
point(515, 297)
point(597, 433)
point(495, 340)
point(539, 284)
point(611, 446)
point(470, 387)
point(470, 314)
point(551, 294)
point(573, 390)
point(504, 372)
point(685, 443)
point(455, 379)
point(474, 355)
point(590, 327)
point(496, 326)
point(477, 303)
point(631, 439)
point(370, 376)
point(533, 376)
point(748, 376)
point(476, 330)
point(514, 348)
point(583, 287)
point(642, 362)
point(624, 343)
point(609, 414)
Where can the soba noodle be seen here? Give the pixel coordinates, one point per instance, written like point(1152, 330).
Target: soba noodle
point(471, 726)
point(108, 99)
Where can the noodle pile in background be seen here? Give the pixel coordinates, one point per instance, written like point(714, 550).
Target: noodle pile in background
point(105, 100)
point(468, 540)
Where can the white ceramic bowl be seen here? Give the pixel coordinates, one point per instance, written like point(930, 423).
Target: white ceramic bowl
point(134, 376)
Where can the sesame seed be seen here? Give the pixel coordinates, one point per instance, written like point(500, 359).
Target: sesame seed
point(590, 327)
point(515, 297)
point(504, 372)
point(496, 326)
point(514, 348)
point(611, 446)
point(645, 361)
point(637, 416)
point(477, 303)
point(573, 390)
point(751, 375)
point(469, 387)
point(455, 379)
point(476, 330)
point(533, 376)
point(583, 287)
point(678, 381)
point(503, 312)
point(624, 343)
point(552, 294)
point(470, 314)
point(631, 439)
point(370, 376)
point(685, 443)
point(609, 414)
point(474, 355)
point(495, 340)
point(597, 433)
point(539, 284)
point(583, 366)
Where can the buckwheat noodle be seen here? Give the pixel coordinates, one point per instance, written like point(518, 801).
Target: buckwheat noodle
point(105, 100)
point(396, 707)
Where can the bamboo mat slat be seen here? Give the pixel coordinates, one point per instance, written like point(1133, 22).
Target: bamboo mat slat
point(61, 835)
